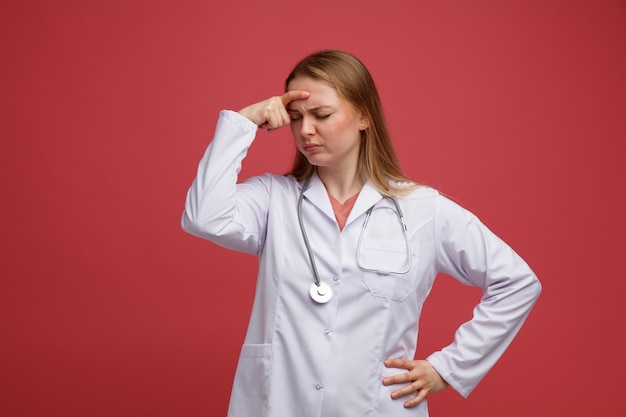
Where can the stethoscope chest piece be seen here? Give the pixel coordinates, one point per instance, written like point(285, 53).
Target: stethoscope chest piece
point(321, 293)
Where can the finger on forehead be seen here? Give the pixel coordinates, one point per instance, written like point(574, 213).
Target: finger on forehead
point(290, 96)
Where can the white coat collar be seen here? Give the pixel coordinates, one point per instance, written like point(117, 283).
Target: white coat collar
point(318, 196)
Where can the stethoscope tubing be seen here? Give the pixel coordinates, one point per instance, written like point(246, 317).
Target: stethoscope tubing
point(303, 230)
point(406, 240)
point(318, 281)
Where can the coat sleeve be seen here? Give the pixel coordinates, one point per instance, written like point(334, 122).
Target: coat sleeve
point(219, 209)
point(468, 251)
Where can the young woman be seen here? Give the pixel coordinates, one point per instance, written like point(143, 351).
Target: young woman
point(348, 251)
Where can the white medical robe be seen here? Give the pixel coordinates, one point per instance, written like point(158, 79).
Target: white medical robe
point(303, 359)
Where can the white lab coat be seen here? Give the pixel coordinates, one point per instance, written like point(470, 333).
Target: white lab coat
point(305, 359)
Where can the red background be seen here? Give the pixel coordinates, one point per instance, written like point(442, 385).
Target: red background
point(517, 109)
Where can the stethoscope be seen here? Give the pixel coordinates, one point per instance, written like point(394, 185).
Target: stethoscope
point(319, 290)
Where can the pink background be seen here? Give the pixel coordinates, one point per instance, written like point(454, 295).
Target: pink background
point(517, 109)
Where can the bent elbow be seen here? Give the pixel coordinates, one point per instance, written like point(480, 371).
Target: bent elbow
point(537, 288)
point(531, 291)
point(186, 223)
point(212, 228)
point(194, 225)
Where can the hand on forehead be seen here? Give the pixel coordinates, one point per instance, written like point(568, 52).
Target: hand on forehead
point(321, 94)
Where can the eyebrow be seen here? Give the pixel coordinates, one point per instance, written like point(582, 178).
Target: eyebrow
point(311, 109)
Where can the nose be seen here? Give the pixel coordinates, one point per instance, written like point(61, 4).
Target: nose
point(307, 127)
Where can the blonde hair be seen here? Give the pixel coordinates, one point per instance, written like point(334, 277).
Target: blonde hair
point(344, 72)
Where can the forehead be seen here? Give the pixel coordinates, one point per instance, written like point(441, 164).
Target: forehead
point(322, 93)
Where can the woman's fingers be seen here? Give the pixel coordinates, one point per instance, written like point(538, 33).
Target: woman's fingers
point(422, 379)
point(272, 112)
point(290, 96)
point(275, 115)
point(280, 116)
point(421, 395)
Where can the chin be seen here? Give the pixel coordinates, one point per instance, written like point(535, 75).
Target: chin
point(316, 162)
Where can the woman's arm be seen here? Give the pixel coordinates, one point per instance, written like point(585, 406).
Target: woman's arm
point(471, 253)
point(217, 207)
point(214, 209)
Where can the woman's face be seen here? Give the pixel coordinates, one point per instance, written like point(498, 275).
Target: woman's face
point(325, 127)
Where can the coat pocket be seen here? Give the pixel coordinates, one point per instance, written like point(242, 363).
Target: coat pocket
point(384, 264)
point(250, 393)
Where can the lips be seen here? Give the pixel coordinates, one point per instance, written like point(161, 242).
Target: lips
point(310, 147)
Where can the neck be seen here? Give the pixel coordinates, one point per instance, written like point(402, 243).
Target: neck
point(341, 185)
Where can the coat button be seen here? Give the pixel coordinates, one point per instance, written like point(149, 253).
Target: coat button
point(319, 386)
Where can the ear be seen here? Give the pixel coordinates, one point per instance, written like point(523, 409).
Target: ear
point(365, 123)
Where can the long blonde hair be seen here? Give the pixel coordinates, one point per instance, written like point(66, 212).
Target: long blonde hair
point(353, 82)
